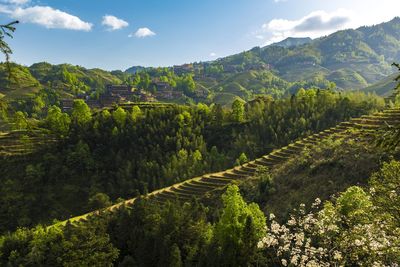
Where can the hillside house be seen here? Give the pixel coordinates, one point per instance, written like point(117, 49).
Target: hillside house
point(161, 86)
point(144, 96)
point(165, 91)
point(170, 94)
point(93, 103)
point(67, 104)
point(123, 91)
point(183, 69)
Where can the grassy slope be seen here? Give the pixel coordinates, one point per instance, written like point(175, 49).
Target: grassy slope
point(331, 168)
point(19, 85)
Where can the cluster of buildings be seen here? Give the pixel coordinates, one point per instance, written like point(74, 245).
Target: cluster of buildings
point(165, 91)
point(116, 94)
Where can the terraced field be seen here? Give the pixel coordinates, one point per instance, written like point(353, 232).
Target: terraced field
point(201, 186)
point(22, 142)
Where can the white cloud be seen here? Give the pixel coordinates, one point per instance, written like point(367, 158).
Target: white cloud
point(213, 54)
point(278, 1)
point(142, 33)
point(113, 23)
point(48, 17)
point(315, 24)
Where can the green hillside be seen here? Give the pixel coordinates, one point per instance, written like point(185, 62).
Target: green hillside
point(383, 87)
point(353, 59)
point(19, 84)
point(291, 42)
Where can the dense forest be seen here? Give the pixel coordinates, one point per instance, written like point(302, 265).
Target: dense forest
point(102, 157)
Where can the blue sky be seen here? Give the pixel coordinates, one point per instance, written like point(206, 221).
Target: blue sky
point(118, 34)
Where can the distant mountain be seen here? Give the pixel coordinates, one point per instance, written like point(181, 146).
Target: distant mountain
point(353, 59)
point(292, 42)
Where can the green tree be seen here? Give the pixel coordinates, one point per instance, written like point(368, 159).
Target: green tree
point(239, 226)
point(20, 121)
point(119, 116)
point(58, 121)
point(99, 201)
point(136, 113)
point(175, 257)
point(38, 105)
point(242, 159)
point(81, 113)
point(354, 204)
point(7, 30)
point(238, 111)
point(145, 81)
point(83, 245)
point(186, 84)
point(385, 188)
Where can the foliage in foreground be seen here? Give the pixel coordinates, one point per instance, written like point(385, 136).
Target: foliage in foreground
point(358, 228)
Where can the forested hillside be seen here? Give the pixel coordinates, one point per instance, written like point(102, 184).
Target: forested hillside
point(105, 156)
point(359, 225)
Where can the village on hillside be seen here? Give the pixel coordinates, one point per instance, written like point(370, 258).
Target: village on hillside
point(117, 94)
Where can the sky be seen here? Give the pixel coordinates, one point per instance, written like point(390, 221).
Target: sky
point(118, 34)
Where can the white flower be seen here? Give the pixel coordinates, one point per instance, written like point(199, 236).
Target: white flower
point(271, 216)
point(358, 243)
point(299, 239)
point(337, 255)
point(284, 262)
point(372, 190)
point(291, 222)
point(275, 227)
point(316, 203)
point(294, 259)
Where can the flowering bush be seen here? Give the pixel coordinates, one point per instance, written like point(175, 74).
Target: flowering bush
point(297, 243)
point(354, 230)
